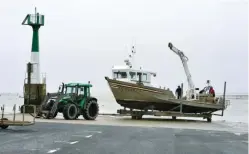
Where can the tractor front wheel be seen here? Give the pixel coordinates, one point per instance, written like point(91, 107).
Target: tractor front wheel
point(91, 110)
point(49, 116)
point(70, 112)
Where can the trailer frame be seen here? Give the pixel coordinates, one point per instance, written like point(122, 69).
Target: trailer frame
point(137, 114)
point(5, 123)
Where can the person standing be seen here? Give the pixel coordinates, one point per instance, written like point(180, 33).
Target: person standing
point(179, 92)
point(211, 91)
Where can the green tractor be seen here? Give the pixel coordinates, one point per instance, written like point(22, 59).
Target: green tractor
point(76, 101)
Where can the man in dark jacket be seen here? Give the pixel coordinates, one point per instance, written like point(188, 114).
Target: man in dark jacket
point(179, 92)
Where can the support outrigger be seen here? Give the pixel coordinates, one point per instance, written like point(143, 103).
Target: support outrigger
point(5, 122)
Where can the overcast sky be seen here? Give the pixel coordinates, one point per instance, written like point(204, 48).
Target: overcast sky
point(81, 40)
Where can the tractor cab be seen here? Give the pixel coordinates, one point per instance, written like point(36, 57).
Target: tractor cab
point(78, 89)
point(76, 92)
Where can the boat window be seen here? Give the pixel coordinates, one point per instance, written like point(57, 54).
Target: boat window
point(120, 75)
point(115, 75)
point(133, 75)
point(148, 77)
point(144, 77)
point(123, 75)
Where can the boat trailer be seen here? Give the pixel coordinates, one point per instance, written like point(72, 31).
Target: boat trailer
point(17, 120)
point(137, 114)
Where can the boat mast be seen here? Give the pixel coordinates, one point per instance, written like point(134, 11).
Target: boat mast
point(130, 61)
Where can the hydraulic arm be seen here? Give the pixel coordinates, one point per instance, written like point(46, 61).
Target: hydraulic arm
point(191, 87)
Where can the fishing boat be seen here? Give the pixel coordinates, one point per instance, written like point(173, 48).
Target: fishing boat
point(132, 88)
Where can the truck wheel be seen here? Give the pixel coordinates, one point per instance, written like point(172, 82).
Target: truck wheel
point(91, 110)
point(4, 126)
point(70, 112)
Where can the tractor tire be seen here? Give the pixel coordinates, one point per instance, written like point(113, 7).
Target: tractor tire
point(91, 110)
point(49, 105)
point(4, 126)
point(77, 116)
point(49, 116)
point(55, 114)
point(70, 111)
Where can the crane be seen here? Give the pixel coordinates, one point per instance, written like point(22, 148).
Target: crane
point(191, 94)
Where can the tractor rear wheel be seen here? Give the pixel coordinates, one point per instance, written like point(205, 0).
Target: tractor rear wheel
point(70, 112)
point(91, 110)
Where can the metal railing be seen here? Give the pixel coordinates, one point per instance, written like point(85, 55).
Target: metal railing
point(6, 121)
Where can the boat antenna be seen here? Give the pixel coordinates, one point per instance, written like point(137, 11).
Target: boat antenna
point(133, 52)
point(130, 61)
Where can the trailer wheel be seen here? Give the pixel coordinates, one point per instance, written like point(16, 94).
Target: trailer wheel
point(137, 117)
point(209, 119)
point(91, 110)
point(133, 117)
point(70, 111)
point(4, 126)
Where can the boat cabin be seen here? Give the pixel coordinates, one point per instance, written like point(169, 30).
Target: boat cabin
point(127, 74)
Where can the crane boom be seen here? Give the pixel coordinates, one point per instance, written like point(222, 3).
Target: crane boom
point(184, 60)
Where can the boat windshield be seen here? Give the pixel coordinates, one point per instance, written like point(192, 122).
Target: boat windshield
point(120, 75)
point(133, 75)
